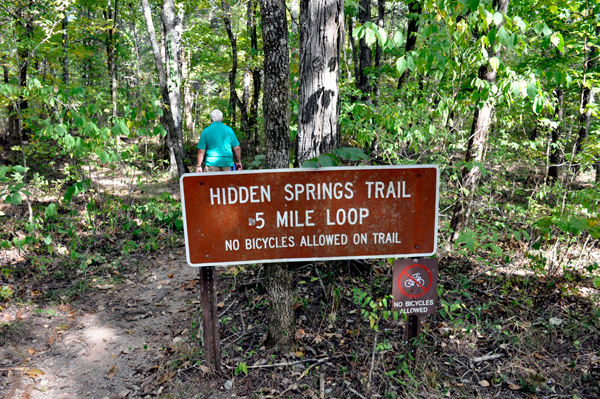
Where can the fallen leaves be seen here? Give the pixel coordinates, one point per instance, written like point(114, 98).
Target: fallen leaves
point(112, 372)
point(514, 387)
point(165, 378)
point(34, 373)
point(484, 383)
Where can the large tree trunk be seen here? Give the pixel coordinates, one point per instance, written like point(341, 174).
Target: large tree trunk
point(414, 14)
point(175, 155)
point(555, 155)
point(173, 23)
point(475, 153)
point(363, 82)
point(276, 116)
point(321, 27)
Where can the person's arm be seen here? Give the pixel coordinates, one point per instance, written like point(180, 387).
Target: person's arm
point(238, 155)
point(200, 159)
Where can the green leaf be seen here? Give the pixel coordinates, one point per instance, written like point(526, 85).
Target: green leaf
point(494, 63)
point(411, 63)
point(311, 163)
point(473, 5)
point(468, 239)
point(20, 169)
point(503, 36)
point(399, 39)
point(51, 211)
point(350, 153)
point(495, 248)
point(558, 41)
point(48, 239)
point(327, 160)
point(520, 23)
point(401, 65)
point(532, 90)
point(104, 157)
point(498, 18)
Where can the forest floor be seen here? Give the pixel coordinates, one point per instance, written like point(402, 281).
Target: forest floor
point(128, 327)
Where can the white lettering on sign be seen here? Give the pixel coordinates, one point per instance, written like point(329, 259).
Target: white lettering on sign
point(378, 189)
point(294, 219)
point(315, 192)
point(351, 216)
point(386, 238)
point(240, 195)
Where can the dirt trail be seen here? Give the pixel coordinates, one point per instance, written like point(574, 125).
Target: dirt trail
point(109, 343)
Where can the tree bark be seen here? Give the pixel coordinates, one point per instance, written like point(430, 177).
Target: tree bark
point(276, 118)
point(167, 120)
point(378, 50)
point(321, 27)
point(187, 91)
point(65, 60)
point(111, 53)
point(173, 23)
point(364, 52)
point(587, 97)
point(475, 153)
point(256, 73)
point(234, 100)
point(414, 14)
point(555, 155)
point(352, 45)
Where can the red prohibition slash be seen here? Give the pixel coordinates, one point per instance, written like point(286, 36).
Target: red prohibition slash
point(405, 273)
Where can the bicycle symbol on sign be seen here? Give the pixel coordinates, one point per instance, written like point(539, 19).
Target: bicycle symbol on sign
point(417, 277)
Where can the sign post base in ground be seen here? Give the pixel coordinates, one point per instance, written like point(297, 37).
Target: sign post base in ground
point(413, 327)
point(210, 322)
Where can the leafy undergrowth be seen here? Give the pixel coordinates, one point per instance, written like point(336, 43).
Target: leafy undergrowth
point(540, 338)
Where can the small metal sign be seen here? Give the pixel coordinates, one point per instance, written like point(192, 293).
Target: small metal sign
point(309, 214)
point(415, 286)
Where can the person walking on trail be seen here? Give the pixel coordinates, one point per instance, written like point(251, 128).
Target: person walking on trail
point(217, 144)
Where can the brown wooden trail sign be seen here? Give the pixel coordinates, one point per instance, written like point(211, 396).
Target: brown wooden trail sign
point(310, 214)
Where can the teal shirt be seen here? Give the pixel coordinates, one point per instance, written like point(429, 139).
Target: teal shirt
point(218, 140)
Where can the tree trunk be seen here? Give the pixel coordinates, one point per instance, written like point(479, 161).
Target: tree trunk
point(321, 27)
point(378, 50)
point(175, 155)
point(555, 155)
point(256, 74)
point(587, 97)
point(276, 116)
point(352, 45)
point(173, 23)
point(111, 53)
point(234, 100)
point(65, 60)
point(414, 14)
point(471, 173)
point(364, 52)
point(187, 91)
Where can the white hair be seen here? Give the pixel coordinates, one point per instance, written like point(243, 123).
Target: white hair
point(216, 116)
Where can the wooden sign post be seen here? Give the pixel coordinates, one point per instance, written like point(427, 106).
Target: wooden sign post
point(306, 214)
